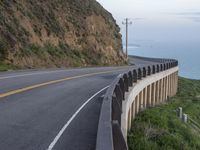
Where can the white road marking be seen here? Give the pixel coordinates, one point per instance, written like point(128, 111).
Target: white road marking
point(53, 143)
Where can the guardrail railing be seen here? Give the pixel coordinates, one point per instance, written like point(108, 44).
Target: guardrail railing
point(109, 136)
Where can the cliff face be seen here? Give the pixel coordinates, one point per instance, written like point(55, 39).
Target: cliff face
point(49, 33)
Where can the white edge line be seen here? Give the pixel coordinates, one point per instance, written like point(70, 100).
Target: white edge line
point(53, 143)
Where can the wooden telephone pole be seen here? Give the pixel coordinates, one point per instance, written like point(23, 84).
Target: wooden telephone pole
point(127, 23)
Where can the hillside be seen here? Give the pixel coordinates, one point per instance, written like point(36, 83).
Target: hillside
point(58, 33)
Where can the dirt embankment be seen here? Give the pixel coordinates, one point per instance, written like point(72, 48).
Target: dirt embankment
point(58, 33)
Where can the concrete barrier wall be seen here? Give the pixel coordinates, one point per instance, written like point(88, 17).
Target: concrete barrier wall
point(148, 92)
point(130, 93)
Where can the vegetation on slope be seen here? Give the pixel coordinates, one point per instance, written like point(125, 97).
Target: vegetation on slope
point(160, 128)
point(44, 33)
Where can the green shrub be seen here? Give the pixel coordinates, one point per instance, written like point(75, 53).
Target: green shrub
point(3, 50)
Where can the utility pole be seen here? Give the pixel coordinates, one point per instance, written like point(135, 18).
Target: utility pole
point(127, 23)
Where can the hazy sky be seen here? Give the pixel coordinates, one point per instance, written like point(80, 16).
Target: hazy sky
point(150, 6)
point(167, 28)
point(159, 19)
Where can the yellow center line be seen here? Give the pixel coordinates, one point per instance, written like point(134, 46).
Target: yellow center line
point(52, 82)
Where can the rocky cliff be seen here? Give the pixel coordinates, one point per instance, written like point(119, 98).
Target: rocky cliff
point(56, 33)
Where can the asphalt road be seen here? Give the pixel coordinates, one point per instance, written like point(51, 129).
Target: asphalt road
point(53, 109)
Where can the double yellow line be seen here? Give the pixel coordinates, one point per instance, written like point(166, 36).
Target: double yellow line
point(52, 82)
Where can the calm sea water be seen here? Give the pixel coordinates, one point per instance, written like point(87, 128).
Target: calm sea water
point(187, 53)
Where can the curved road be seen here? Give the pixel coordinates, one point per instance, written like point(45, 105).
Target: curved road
point(53, 109)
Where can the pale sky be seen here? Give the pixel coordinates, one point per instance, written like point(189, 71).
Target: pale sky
point(159, 18)
point(167, 28)
point(150, 7)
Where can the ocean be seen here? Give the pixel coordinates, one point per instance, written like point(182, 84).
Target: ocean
point(187, 53)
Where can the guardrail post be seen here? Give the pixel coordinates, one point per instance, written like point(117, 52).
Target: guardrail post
point(171, 64)
point(167, 65)
point(176, 63)
point(141, 101)
point(158, 68)
point(126, 82)
point(164, 66)
point(167, 88)
point(130, 78)
point(139, 74)
point(157, 92)
point(161, 67)
point(149, 71)
point(149, 97)
point(176, 82)
point(137, 104)
point(144, 72)
point(135, 76)
point(180, 112)
point(144, 97)
point(154, 69)
point(133, 110)
point(116, 109)
point(161, 91)
point(118, 138)
point(164, 88)
point(122, 87)
point(118, 93)
point(185, 118)
point(153, 94)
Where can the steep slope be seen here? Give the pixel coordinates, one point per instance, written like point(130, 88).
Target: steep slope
point(45, 33)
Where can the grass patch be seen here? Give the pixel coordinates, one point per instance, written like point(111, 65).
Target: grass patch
point(63, 52)
point(3, 49)
point(159, 128)
point(6, 67)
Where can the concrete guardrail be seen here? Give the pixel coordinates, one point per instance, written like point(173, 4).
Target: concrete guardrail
point(131, 93)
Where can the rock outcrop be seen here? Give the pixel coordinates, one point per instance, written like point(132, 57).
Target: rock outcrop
point(58, 33)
